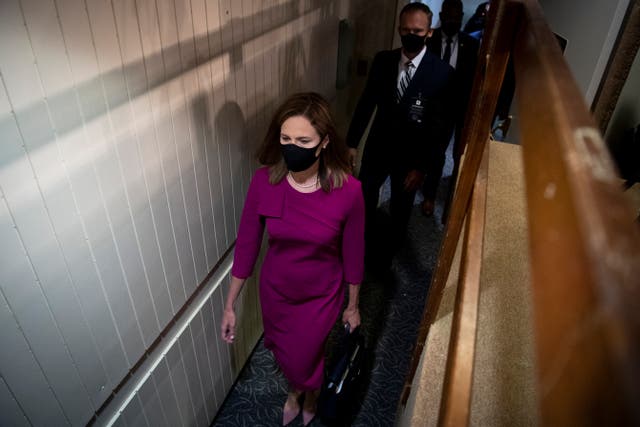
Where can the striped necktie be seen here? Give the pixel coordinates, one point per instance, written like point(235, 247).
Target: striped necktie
point(405, 78)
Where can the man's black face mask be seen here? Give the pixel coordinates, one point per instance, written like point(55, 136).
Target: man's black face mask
point(412, 43)
point(451, 28)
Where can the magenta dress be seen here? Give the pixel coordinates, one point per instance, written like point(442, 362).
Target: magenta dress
point(316, 245)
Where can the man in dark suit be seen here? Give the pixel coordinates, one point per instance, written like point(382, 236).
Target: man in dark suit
point(411, 90)
point(459, 50)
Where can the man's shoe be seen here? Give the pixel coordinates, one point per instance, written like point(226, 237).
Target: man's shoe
point(427, 207)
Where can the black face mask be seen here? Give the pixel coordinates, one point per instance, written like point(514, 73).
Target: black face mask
point(412, 43)
point(450, 28)
point(298, 158)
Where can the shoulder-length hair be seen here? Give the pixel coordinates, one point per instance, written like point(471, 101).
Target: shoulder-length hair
point(334, 160)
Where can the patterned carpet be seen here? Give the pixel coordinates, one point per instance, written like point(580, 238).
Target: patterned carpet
point(390, 307)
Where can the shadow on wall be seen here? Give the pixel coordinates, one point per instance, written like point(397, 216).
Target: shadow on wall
point(97, 96)
point(232, 132)
point(181, 157)
point(228, 140)
point(295, 67)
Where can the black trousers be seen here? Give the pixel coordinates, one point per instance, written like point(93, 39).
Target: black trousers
point(437, 160)
point(433, 175)
point(384, 236)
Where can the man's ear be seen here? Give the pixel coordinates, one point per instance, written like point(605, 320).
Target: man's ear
point(430, 32)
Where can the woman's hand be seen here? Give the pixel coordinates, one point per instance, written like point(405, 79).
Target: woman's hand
point(228, 325)
point(352, 317)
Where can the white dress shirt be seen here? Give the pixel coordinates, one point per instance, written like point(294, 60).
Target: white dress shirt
point(453, 60)
point(402, 67)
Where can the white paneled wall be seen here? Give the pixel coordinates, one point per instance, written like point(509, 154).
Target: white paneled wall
point(127, 135)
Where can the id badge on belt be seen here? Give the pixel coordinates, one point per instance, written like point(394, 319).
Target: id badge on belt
point(416, 109)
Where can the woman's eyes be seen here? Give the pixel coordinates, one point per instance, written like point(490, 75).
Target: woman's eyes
point(301, 140)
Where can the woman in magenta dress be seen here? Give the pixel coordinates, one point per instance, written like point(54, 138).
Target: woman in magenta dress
point(313, 211)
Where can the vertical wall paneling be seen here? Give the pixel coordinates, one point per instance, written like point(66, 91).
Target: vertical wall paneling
point(101, 191)
point(10, 411)
point(22, 374)
point(167, 395)
point(144, 269)
point(123, 187)
point(182, 217)
point(192, 168)
point(160, 158)
point(182, 348)
point(178, 375)
point(289, 50)
point(203, 141)
point(192, 373)
point(229, 182)
point(26, 129)
point(237, 130)
point(278, 40)
point(48, 163)
point(64, 199)
point(120, 422)
point(248, 49)
point(201, 354)
point(267, 49)
point(215, 100)
point(149, 190)
point(100, 279)
point(208, 361)
point(236, 351)
point(128, 131)
point(212, 332)
point(257, 116)
point(154, 411)
point(134, 414)
point(217, 305)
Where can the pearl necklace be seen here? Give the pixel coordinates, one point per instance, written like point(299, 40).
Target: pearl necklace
point(293, 181)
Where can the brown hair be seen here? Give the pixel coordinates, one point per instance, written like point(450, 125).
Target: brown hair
point(334, 164)
point(417, 7)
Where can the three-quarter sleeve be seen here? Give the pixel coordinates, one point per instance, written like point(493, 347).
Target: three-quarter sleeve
point(353, 238)
point(250, 231)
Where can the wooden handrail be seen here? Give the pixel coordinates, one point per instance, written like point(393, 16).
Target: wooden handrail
point(492, 63)
point(584, 251)
point(458, 378)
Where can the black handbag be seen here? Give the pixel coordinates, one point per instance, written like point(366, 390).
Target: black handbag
point(344, 380)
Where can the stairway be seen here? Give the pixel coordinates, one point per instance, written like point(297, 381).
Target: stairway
point(503, 392)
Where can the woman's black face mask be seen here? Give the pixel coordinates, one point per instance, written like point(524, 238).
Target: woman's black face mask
point(298, 158)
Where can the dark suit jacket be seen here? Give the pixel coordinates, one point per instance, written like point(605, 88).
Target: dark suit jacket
point(396, 141)
point(465, 68)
